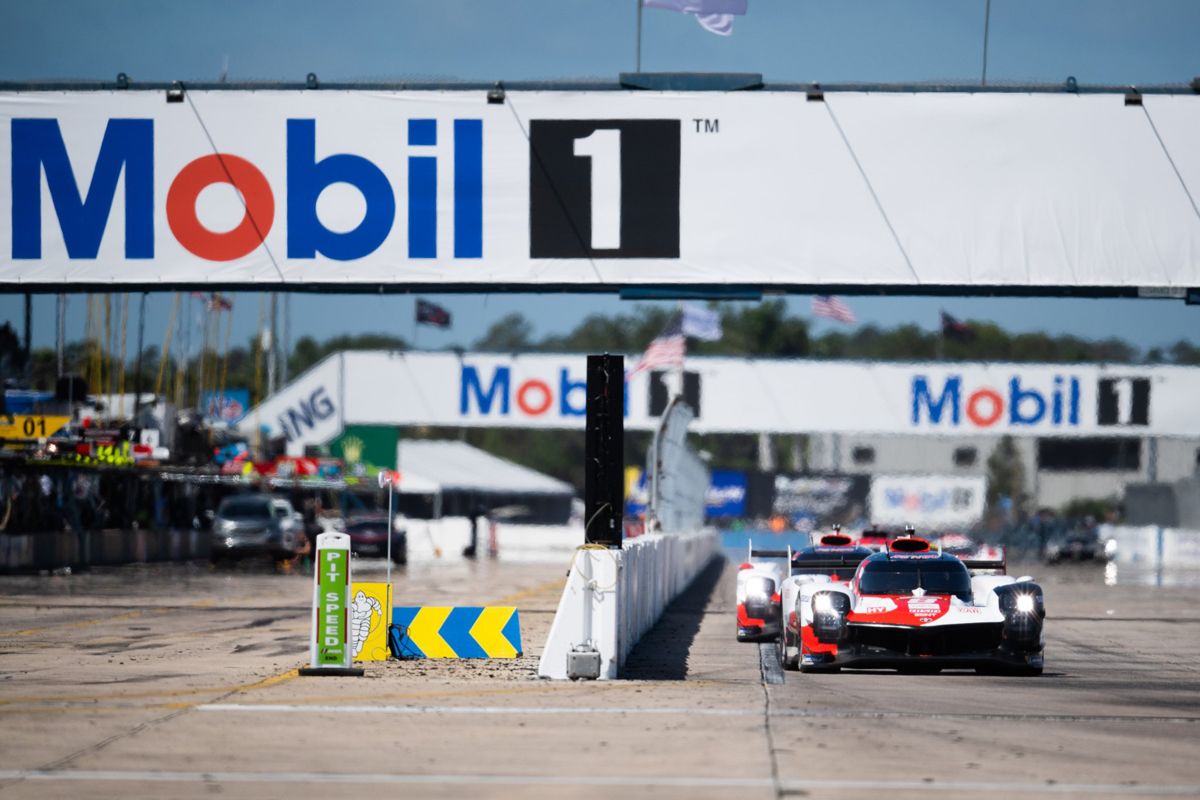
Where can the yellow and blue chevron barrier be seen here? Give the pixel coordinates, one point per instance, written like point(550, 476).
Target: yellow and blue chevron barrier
point(462, 632)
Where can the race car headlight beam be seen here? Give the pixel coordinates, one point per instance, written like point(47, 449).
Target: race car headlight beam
point(759, 593)
point(822, 604)
point(830, 610)
point(1024, 609)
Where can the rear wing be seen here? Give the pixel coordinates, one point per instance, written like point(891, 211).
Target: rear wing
point(771, 553)
point(752, 554)
point(992, 565)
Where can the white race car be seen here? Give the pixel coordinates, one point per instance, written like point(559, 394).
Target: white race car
point(758, 581)
point(913, 608)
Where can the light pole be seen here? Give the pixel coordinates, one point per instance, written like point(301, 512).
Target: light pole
point(388, 478)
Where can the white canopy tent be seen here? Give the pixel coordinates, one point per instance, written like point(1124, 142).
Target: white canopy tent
point(462, 480)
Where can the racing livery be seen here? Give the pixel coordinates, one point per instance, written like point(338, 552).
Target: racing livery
point(913, 608)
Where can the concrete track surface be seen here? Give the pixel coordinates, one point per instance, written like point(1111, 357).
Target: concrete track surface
point(179, 682)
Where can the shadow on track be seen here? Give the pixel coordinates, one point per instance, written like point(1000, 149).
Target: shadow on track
point(662, 654)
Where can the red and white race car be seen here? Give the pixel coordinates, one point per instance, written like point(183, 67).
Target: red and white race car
point(969, 549)
point(876, 538)
point(758, 581)
point(759, 609)
point(913, 608)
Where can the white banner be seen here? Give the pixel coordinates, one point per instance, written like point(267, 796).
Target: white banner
point(739, 395)
point(609, 188)
point(928, 501)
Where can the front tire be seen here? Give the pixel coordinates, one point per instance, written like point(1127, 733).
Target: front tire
point(790, 663)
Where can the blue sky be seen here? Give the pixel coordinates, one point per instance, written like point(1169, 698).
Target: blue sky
point(1097, 41)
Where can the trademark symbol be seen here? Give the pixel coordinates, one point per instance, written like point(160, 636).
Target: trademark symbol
point(707, 125)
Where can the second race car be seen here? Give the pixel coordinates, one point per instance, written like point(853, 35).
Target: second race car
point(761, 577)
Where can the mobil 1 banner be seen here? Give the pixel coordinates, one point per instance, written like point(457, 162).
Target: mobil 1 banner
point(937, 502)
point(547, 390)
point(597, 189)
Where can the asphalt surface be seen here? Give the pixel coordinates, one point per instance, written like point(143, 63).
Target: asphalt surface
point(178, 681)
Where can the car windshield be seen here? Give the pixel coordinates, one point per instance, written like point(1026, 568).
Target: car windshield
point(366, 525)
point(245, 508)
point(890, 576)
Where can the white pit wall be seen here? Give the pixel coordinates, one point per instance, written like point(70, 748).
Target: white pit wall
point(613, 597)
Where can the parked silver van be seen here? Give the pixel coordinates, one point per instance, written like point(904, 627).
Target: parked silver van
point(256, 524)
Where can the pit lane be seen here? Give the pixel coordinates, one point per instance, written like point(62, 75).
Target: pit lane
point(178, 681)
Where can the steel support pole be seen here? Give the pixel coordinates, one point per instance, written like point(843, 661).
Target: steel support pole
point(390, 525)
point(137, 379)
point(638, 61)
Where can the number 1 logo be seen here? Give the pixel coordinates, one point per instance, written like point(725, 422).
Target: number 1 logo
point(604, 188)
point(603, 147)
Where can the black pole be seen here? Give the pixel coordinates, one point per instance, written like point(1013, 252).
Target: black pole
point(603, 485)
point(28, 338)
point(987, 22)
point(137, 380)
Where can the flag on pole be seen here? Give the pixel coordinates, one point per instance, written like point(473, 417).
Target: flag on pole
point(214, 302)
point(831, 307)
point(432, 314)
point(955, 329)
point(715, 16)
point(667, 350)
point(701, 323)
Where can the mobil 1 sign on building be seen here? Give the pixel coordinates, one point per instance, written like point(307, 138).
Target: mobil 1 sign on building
point(732, 395)
point(598, 189)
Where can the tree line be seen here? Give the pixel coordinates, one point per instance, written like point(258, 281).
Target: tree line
point(766, 330)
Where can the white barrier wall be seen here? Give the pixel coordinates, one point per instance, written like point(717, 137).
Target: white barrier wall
point(613, 597)
point(1152, 546)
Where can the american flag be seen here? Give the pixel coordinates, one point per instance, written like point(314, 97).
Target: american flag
point(826, 305)
point(667, 349)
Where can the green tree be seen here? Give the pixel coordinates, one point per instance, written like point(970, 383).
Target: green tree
point(624, 333)
point(1006, 475)
point(511, 333)
point(763, 329)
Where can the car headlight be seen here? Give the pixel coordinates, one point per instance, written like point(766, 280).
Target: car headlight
point(822, 604)
point(1110, 548)
point(1025, 603)
point(759, 590)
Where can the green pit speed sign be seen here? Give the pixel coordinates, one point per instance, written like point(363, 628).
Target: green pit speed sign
point(331, 601)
